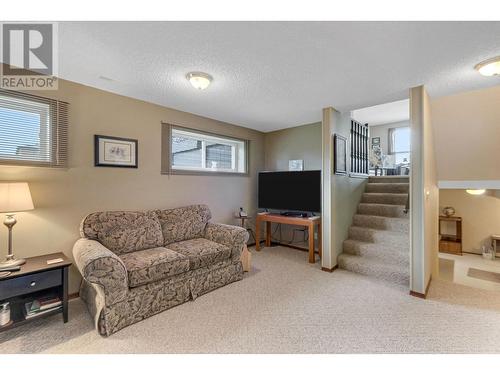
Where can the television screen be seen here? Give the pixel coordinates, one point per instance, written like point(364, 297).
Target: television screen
point(294, 191)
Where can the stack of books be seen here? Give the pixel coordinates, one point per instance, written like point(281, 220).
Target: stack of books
point(41, 306)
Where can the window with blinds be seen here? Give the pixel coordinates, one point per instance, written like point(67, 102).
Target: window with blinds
point(33, 130)
point(189, 151)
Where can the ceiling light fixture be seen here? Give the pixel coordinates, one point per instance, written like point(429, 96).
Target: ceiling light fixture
point(475, 191)
point(199, 80)
point(489, 67)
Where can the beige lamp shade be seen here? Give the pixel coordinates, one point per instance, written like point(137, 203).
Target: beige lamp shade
point(15, 197)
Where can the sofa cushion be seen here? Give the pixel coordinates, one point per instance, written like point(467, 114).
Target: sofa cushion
point(124, 231)
point(183, 223)
point(146, 266)
point(201, 252)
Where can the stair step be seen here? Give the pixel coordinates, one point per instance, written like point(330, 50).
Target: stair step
point(378, 209)
point(383, 237)
point(382, 223)
point(379, 269)
point(389, 179)
point(377, 252)
point(385, 198)
point(379, 241)
point(382, 187)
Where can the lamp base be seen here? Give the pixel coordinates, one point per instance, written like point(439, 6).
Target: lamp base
point(11, 263)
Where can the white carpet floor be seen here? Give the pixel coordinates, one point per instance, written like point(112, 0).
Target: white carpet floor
point(286, 305)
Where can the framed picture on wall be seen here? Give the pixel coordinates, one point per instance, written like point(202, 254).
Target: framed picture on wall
point(339, 154)
point(115, 152)
point(295, 165)
point(375, 141)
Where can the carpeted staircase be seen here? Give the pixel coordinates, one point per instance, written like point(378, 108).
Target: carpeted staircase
point(379, 240)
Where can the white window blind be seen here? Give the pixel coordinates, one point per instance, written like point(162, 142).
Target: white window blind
point(33, 130)
point(399, 140)
point(399, 144)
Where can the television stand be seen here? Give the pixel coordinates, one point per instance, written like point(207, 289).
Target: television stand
point(308, 222)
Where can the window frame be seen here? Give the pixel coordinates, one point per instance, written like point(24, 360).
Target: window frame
point(392, 144)
point(55, 132)
point(167, 157)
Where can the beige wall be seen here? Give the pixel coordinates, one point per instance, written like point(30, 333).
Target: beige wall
point(346, 192)
point(63, 197)
point(467, 135)
point(341, 193)
point(301, 142)
point(382, 131)
point(424, 195)
point(480, 216)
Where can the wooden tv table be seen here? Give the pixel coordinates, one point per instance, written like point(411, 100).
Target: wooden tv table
point(309, 222)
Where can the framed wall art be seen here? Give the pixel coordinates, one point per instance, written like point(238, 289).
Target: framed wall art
point(295, 165)
point(339, 154)
point(115, 152)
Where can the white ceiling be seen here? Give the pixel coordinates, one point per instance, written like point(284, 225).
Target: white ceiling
point(273, 75)
point(383, 113)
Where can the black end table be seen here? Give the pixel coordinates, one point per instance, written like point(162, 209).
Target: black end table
point(36, 279)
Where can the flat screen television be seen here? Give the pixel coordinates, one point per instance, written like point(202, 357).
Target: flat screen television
point(293, 191)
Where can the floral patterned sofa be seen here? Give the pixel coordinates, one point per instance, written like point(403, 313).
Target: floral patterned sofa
point(138, 263)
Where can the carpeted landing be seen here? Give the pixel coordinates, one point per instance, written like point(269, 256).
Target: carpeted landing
point(286, 305)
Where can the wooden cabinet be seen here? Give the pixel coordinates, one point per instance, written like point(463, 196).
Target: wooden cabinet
point(450, 243)
point(36, 279)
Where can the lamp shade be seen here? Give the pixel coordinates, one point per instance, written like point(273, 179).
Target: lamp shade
point(15, 197)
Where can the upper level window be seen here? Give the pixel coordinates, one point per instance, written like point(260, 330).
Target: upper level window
point(194, 151)
point(399, 144)
point(33, 130)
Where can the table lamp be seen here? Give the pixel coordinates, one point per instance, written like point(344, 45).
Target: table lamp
point(14, 197)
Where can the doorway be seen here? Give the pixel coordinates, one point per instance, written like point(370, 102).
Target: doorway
point(390, 137)
point(469, 229)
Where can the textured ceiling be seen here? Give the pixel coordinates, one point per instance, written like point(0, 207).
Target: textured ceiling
point(383, 113)
point(273, 75)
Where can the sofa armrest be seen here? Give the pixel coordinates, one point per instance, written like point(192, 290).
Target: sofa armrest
point(99, 265)
point(230, 235)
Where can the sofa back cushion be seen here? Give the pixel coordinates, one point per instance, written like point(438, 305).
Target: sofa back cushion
point(123, 231)
point(183, 223)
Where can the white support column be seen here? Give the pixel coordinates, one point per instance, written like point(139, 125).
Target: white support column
point(424, 194)
point(329, 259)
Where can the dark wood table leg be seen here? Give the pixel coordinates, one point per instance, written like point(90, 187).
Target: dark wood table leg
point(257, 233)
point(311, 243)
point(65, 294)
point(320, 245)
point(268, 233)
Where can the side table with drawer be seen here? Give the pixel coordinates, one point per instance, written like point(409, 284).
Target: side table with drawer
point(35, 280)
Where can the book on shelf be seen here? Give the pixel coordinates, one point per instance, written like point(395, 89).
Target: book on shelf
point(41, 305)
point(32, 315)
